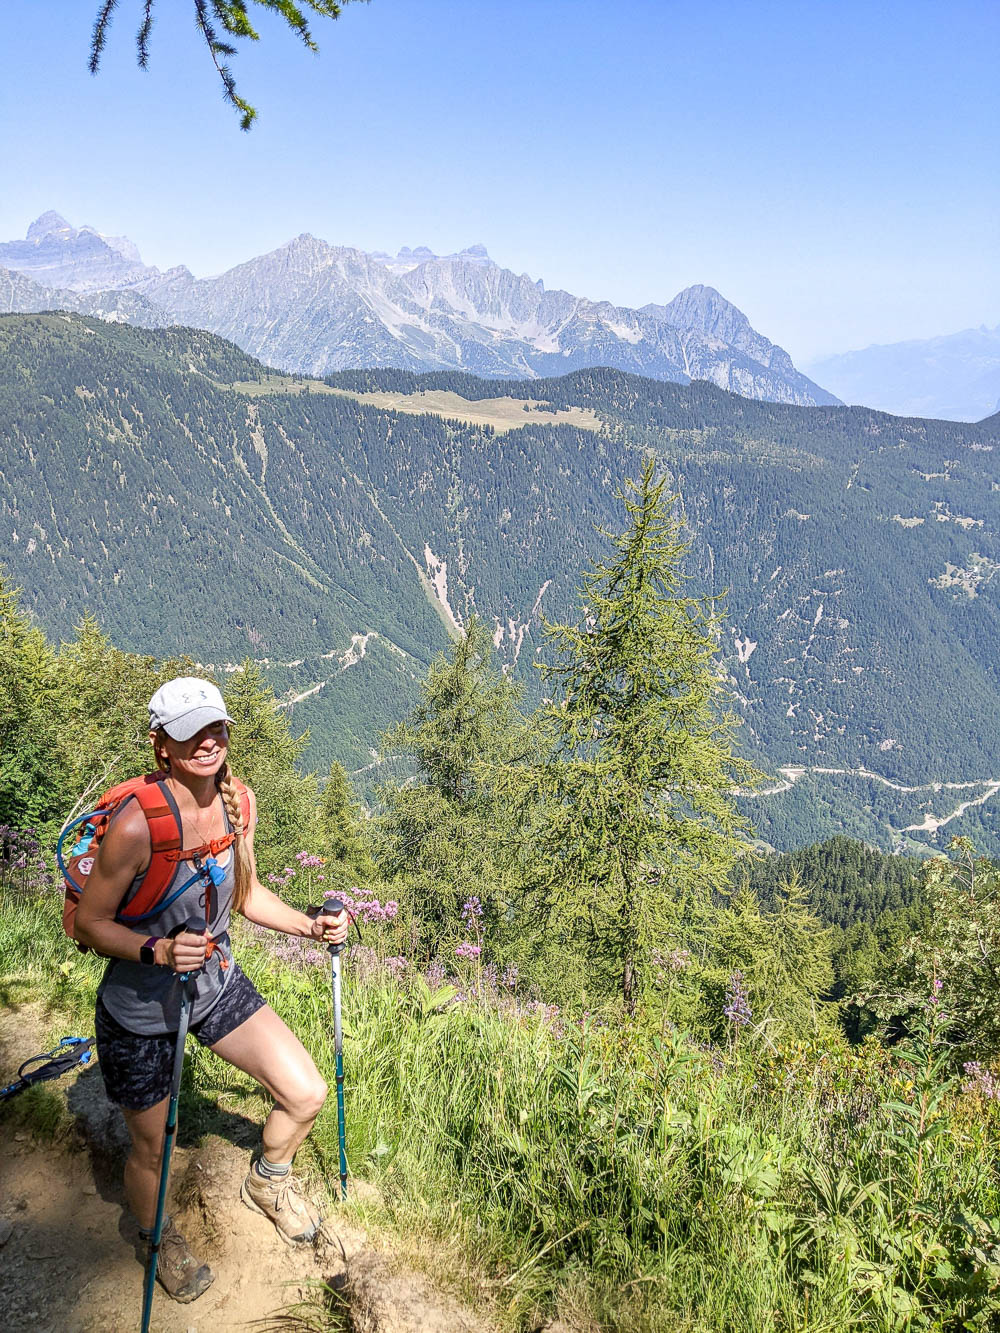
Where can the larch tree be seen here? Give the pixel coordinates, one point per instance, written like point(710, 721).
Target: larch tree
point(640, 774)
point(445, 834)
point(341, 824)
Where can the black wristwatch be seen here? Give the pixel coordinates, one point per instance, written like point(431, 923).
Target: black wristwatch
point(147, 951)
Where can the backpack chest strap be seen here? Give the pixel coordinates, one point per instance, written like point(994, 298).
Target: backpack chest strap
point(212, 848)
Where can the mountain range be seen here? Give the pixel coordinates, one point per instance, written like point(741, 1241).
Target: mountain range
point(313, 308)
point(956, 377)
point(338, 531)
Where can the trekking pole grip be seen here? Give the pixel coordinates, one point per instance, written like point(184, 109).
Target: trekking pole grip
point(332, 907)
point(195, 925)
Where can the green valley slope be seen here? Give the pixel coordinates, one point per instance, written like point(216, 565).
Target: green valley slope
point(197, 502)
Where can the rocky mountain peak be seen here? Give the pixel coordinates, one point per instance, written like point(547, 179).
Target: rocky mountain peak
point(47, 224)
point(475, 254)
point(314, 308)
point(419, 255)
point(57, 254)
point(703, 308)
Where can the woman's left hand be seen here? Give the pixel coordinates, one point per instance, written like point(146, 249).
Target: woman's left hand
point(329, 928)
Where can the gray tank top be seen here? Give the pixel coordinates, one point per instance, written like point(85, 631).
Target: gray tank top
point(147, 999)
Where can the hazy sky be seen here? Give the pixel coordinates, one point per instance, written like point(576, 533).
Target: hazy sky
point(833, 167)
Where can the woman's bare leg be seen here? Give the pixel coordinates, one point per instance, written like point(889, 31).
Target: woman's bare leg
point(142, 1168)
point(266, 1049)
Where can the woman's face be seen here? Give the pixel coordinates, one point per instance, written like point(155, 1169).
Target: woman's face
point(200, 757)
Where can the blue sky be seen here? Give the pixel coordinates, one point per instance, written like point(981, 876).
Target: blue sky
point(832, 167)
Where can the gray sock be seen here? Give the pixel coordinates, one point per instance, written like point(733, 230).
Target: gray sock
point(271, 1170)
point(146, 1233)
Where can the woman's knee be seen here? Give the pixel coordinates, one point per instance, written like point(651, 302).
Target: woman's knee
point(146, 1150)
point(146, 1129)
point(310, 1099)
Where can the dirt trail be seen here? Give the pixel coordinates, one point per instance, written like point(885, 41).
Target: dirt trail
point(69, 1255)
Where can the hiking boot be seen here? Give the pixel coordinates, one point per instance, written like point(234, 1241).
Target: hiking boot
point(180, 1274)
point(282, 1201)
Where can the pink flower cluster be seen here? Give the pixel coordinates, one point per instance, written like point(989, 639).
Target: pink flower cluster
point(307, 861)
point(677, 960)
point(980, 1080)
point(365, 965)
point(370, 910)
point(467, 950)
point(298, 952)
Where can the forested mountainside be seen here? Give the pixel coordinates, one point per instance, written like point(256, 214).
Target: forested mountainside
point(198, 503)
point(844, 881)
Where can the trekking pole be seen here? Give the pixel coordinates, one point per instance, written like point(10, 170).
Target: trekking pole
point(196, 926)
point(333, 908)
point(70, 1052)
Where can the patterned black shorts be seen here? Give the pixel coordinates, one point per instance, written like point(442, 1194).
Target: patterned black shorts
point(137, 1067)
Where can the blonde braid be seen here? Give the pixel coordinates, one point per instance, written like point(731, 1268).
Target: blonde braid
point(242, 865)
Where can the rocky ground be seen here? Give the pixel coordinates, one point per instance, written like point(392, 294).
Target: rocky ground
point(70, 1261)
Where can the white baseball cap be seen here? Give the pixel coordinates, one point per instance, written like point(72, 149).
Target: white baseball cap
point(185, 705)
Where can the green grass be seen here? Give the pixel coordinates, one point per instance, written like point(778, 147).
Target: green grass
point(622, 1174)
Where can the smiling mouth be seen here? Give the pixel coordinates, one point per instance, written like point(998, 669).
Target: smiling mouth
point(206, 759)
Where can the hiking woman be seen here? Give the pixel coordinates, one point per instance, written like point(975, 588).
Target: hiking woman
point(139, 998)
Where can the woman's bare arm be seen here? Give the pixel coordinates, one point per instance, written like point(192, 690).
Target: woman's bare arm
point(123, 854)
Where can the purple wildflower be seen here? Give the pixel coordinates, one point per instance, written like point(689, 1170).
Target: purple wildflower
point(435, 975)
point(467, 950)
point(737, 1006)
point(364, 962)
point(982, 1081)
point(472, 909)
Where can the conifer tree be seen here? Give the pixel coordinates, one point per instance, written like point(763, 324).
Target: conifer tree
point(443, 835)
point(783, 954)
point(31, 770)
point(103, 714)
point(264, 753)
point(639, 779)
point(340, 828)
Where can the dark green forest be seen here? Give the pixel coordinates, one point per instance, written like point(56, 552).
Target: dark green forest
point(854, 552)
point(585, 1006)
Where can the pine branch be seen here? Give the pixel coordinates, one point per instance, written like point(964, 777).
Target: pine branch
point(142, 37)
point(212, 17)
point(100, 33)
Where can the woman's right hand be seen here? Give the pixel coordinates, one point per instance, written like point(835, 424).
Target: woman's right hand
point(184, 952)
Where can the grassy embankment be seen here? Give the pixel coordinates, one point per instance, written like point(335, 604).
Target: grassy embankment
point(631, 1176)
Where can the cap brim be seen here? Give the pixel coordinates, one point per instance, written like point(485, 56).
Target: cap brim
point(183, 728)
